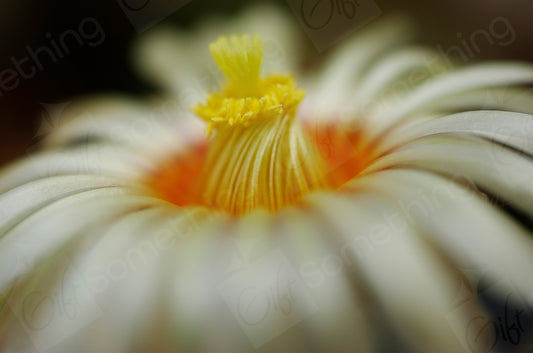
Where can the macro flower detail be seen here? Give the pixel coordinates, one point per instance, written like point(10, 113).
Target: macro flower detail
point(258, 206)
point(259, 155)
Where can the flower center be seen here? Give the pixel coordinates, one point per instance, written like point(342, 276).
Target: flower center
point(257, 154)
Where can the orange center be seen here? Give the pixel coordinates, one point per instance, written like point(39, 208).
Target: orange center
point(178, 180)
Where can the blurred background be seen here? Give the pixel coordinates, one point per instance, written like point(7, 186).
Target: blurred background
point(36, 72)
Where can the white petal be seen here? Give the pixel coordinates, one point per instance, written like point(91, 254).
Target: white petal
point(341, 320)
point(44, 231)
point(453, 83)
point(506, 98)
point(383, 75)
point(118, 120)
point(85, 291)
point(88, 159)
point(163, 56)
point(407, 278)
point(198, 311)
point(125, 273)
point(21, 201)
point(509, 128)
point(473, 232)
point(494, 168)
point(334, 84)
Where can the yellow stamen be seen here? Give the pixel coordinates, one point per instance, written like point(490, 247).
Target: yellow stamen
point(259, 156)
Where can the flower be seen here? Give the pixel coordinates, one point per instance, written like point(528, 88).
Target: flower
point(346, 211)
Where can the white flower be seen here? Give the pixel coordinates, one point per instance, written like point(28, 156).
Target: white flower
point(356, 222)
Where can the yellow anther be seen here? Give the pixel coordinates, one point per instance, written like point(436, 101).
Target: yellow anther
point(246, 97)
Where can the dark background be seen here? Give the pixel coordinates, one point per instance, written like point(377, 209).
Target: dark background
point(107, 68)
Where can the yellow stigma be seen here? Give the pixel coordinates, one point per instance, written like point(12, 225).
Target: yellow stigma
point(239, 58)
point(246, 97)
point(259, 156)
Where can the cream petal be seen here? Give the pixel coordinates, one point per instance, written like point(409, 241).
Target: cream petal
point(127, 272)
point(495, 168)
point(472, 232)
point(196, 305)
point(88, 295)
point(453, 83)
point(117, 120)
point(334, 83)
point(389, 73)
point(262, 289)
point(32, 304)
point(229, 282)
point(20, 202)
point(162, 56)
point(124, 272)
point(415, 288)
point(509, 128)
point(223, 262)
point(41, 233)
point(86, 159)
point(338, 315)
point(248, 262)
point(506, 98)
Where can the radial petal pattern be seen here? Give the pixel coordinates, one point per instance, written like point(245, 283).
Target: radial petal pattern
point(94, 260)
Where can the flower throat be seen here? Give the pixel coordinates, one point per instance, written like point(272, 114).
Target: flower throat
point(257, 154)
